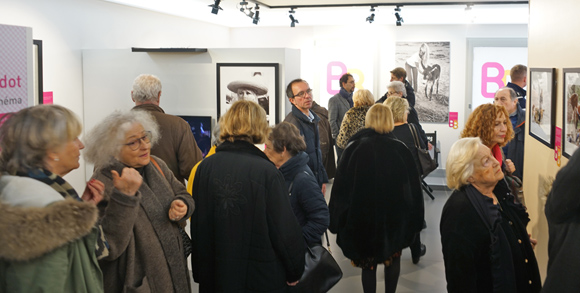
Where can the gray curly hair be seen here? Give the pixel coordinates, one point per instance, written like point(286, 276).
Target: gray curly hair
point(104, 141)
point(146, 88)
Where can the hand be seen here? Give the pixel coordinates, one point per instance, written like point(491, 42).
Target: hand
point(177, 210)
point(129, 181)
point(533, 241)
point(324, 189)
point(509, 165)
point(430, 146)
point(94, 191)
point(293, 283)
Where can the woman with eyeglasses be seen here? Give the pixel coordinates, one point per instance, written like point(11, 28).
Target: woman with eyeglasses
point(143, 210)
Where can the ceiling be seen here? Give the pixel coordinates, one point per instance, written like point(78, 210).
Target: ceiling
point(274, 13)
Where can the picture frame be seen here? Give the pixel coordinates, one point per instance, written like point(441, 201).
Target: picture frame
point(570, 114)
point(541, 109)
point(250, 81)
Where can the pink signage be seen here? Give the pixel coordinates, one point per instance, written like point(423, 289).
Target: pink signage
point(558, 146)
point(47, 98)
point(454, 120)
point(14, 45)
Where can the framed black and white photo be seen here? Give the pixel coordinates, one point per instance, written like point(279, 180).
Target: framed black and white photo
point(257, 82)
point(541, 110)
point(571, 113)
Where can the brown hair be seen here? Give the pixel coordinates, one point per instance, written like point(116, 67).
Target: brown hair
point(482, 121)
point(286, 135)
point(245, 120)
point(399, 72)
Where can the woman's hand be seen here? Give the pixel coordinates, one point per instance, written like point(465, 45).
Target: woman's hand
point(177, 210)
point(509, 166)
point(94, 191)
point(128, 182)
point(533, 241)
point(292, 284)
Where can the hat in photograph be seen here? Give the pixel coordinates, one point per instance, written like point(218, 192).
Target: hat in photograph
point(255, 84)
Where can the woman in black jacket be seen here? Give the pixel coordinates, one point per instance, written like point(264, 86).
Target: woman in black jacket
point(285, 148)
point(244, 235)
point(485, 244)
point(376, 204)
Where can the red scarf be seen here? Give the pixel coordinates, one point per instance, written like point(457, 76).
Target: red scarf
point(496, 151)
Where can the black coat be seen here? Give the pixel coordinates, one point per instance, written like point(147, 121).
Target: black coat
point(245, 236)
point(515, 148)
point(404, 134)
point(466, 243)
point(306, 198)
point(563, 214)
point(312, 138)
point(376, 206)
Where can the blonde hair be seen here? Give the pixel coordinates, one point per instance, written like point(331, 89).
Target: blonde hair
point(245, 120)
point(27, 136)
point(460, 161)
point(105, 140)
point(380, 118)
point(363, 97)
point(399, 107)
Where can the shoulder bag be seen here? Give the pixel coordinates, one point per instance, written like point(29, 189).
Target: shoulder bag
point(428, 164)
point(321, 271)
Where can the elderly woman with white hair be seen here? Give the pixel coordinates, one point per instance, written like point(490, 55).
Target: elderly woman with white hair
point(143, 207)
point(486, 247)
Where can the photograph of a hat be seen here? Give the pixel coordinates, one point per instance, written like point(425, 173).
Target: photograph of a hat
point(255, 85)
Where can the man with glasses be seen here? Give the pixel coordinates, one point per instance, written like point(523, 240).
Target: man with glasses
point(300, 95)
point(338, 105)
point(176, 145)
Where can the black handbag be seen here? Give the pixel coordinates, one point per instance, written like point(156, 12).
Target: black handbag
point(428, 164)
point(321, 272)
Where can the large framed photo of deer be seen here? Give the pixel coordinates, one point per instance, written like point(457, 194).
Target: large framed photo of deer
point(542, 96)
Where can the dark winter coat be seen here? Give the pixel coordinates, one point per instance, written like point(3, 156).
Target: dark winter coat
point(404, 134)
point(326, 141)
point(306, 198)
point(47, 243)
point(146, 249)
point(466, 244)
point(245, 235)
point(520, 93)
point(563, 214)
point(176, 145)
point(312, 138)
point(376, 206)
point(515, 148)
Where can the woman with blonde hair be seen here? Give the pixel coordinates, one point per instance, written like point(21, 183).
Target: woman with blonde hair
point(416, 64)
point(245, 235)
point(354, 118)
point(485, 243)
point(376, 206)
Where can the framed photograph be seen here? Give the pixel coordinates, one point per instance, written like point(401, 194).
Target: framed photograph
point(257, 82)
point(542, 85)
point(571, 113)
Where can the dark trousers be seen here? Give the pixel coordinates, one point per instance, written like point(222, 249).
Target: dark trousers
point(369, 277)
point(416, 246)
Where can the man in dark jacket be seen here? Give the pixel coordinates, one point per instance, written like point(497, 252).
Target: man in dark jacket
point(176, 146)
point(326, 140)
point(300, 95)
point(519, 77)
point(514, 150)
point(339, 104)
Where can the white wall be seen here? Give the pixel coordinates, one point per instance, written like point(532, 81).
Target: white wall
point(66, 27)
point(384, 38)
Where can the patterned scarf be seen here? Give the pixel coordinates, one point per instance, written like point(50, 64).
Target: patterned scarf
point(67, 191)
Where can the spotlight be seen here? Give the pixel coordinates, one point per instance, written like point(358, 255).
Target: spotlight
point(256, 18)
point(398, 16)
point(294, 20)
point(371, 18)
point(215, 7)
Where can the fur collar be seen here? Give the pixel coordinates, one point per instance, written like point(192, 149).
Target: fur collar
point(30, 232)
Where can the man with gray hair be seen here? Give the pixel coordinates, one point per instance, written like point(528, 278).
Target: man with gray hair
point(514, 150)
point(176, 146)
point(519, 77)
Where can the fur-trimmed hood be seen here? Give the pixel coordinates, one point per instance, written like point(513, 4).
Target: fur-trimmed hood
point(30, 232)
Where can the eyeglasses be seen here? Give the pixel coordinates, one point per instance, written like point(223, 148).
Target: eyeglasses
point(391, 93)
point(136, 144)
point(302, 93)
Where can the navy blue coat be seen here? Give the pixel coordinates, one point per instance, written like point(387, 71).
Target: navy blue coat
point(306, 198)
point(312, 138)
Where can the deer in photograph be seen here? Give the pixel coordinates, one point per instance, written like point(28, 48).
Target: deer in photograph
point(431, 75)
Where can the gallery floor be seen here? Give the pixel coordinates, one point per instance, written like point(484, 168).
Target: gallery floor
point(426, 276)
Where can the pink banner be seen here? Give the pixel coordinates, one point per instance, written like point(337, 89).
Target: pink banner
point(454, 120)
point(13, 68)
point(558, 146)
point(47, 98)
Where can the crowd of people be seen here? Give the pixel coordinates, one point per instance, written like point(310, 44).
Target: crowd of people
point(255, 211)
